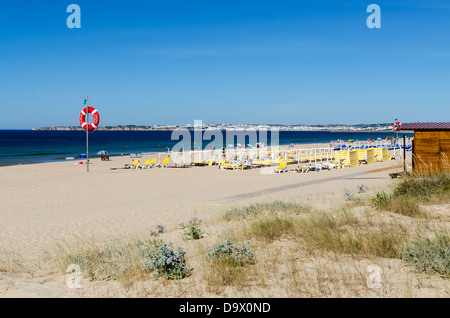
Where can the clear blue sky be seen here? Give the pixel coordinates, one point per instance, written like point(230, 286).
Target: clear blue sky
point(253, 61)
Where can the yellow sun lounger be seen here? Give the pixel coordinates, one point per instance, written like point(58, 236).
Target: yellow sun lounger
point(267, 162)
point(198, 163)
point(281, 168)
point(229, 165)
point(303, 169)
point(135, 164)
point(145, 165)
point(165, 163)
point(278, 160)
point(153, 163)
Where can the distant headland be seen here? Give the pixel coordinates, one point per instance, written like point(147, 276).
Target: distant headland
point(386, 127)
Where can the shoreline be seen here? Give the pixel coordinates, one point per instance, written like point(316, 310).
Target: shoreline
point(306, 145)
point(191, 129)
point(12, 161)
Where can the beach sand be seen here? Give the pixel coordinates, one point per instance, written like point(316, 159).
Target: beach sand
point(44, 204)
point(51, 201)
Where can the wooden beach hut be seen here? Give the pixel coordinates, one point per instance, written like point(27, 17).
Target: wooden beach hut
point(354, 162)
point(431, 147)
point(370, 156)
point(381, 154)
point(343, 155)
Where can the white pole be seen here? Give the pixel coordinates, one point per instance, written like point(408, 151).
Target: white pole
point(87, 134)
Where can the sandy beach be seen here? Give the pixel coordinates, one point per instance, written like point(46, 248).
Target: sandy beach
point(49, 203)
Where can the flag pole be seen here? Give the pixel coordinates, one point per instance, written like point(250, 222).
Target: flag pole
point(87, 134)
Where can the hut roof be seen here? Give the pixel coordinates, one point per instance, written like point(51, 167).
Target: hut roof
point(426, 126)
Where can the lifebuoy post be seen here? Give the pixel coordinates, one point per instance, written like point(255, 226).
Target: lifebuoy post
point(397, 126)
point(84, 122)
point(87, 133)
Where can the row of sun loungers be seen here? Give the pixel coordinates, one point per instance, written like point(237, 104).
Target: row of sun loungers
point(306, 162)
point(247, 163)
point(282, 166)
point(149, 163)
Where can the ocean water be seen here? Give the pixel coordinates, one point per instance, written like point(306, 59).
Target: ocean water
point(35, 146)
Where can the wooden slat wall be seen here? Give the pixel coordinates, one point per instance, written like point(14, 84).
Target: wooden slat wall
point(431, 151)
point(445, 150)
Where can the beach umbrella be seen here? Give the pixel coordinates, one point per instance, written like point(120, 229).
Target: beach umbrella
point(102, 153)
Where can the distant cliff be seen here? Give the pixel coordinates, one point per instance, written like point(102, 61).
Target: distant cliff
point(348, 128)
point(110, 128)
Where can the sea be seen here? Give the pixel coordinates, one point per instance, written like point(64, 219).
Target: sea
point(18, 147)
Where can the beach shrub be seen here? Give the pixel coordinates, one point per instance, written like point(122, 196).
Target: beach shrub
point(11, 261)
point(165, 262)
point(362, 189)
point(430, 256)
point(126, 262)
point(412, 191)
point(192, 229)
point(256, 209)
point(399, 204)
point(434, 188)
point(159, 230)
point(349, 196)
point(271, 228)
point(346, 234)
point(229, 265)
point(116, 261)
point(321, 231)
point(241, 213)
point(381, 199)
point(230, 253)
point(281, 206)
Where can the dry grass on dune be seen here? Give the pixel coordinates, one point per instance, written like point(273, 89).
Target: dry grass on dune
point(281, 249)
point(117, 260)
point(11, 262)
point(344, 234)
point(313, 254)
point(322, 254)
point(412, 192)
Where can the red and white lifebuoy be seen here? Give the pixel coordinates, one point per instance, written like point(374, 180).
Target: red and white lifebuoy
point(397, 125)
point(94, 112)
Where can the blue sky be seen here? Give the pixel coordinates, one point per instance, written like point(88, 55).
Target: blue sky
point(170, 62)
